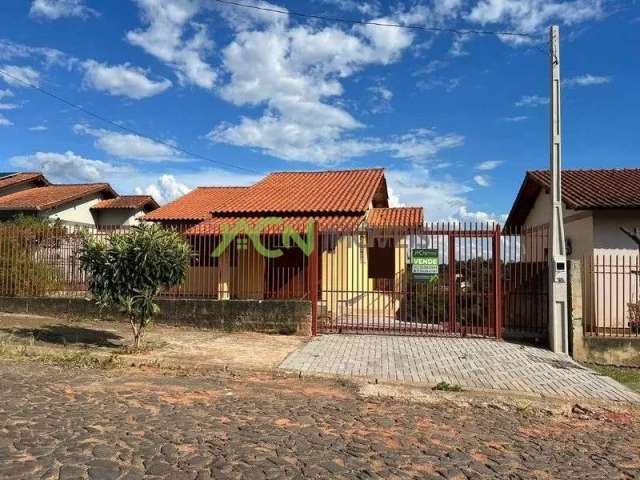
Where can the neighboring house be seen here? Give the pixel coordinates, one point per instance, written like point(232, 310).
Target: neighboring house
point(356, 226)
point(69, 203)
point(18, 181)
point(123, 210)
point(30, 193)
point(596, 203)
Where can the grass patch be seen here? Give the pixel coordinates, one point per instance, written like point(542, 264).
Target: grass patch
point(77, 359)
point(628, 376)
point(447, 387)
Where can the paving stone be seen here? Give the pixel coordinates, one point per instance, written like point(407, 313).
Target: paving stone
point(473, 363)
point(165, 427)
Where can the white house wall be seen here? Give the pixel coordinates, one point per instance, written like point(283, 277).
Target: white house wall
point(119, 216)
point(78, 211)
point(578, 228)
point(608, 238)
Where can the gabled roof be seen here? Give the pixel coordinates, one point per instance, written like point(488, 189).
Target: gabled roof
point(345, 191)
point(134, 202)
point(195, 205)
point(9, 179)
point(51, 196)
point(581, 190)
point(404, 217)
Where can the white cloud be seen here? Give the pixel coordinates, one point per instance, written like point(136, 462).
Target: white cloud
point(170, 22)
point(295, 73)
point(440, 197)
point(17, 76)
point(488, 165)
point(9, 106)
point(516, 118)
point(532, 16)
point(380, 98)
point(4, 121)
point(458, 44)
point(54, 9)
point(129, 146)
point(165, 189)
point(482, 180)
point(5, 93)
point(463, 214)
point(67, 167)
point(49, 56)
point(370, 8)
point(125, 80)
point(532, 101)
point(586, 80)
point(448, 85)
point(39, 128)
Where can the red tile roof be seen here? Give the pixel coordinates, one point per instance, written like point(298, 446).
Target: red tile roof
point(347, 191)
point(10, 179)
point(581, 190)
point(213, 226)
point(196, 204)
point(127, 201)
point(44, 198)
point(406, 217)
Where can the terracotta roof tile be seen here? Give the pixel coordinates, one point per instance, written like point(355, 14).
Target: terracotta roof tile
point(43, 198)
point(581, 190)
point(604, 188)
point(127, 201)
point(348, 191)
point(9, 179)
point(196, 204)
point(406, 217)
point(213, 226)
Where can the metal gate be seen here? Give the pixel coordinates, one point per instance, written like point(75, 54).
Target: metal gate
point(367, 282)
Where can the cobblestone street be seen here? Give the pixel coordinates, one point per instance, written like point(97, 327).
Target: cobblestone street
point(122, 424)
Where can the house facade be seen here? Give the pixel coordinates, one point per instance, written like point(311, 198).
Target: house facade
point(355, 225)
point(596, 205)
point(95, 204)
point(123, 210)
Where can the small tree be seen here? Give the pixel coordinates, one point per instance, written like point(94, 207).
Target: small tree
point(129, 270)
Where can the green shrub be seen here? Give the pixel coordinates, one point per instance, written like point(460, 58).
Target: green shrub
point(129, 270)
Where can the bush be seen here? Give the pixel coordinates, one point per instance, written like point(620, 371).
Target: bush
point(129, 270)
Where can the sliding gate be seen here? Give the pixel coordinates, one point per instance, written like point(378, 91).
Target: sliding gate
point(375, 281)
point(478, 281)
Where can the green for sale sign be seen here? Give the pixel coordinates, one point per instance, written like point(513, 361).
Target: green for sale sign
point(424, 263)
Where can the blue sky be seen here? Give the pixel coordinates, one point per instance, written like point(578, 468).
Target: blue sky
point(455, 120)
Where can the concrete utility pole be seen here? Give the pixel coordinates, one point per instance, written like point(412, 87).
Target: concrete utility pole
point(558, 322)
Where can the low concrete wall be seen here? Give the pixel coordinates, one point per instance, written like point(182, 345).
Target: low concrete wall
point(289, 317)
point(595, 349)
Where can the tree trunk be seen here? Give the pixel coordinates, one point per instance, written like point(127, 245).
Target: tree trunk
point(138, 331)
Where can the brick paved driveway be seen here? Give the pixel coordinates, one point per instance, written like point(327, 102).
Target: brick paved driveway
point(472, 363)
point(85, 424)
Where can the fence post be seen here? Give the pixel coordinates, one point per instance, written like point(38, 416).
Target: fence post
point(497, 279)
point(452, 282)
point(576, 327)
point(312, 273)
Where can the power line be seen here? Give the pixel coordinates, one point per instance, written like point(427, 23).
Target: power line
point(121, 127)
point(374, 23)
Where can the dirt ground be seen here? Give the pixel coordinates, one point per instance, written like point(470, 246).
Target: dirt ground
point(171, 345)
